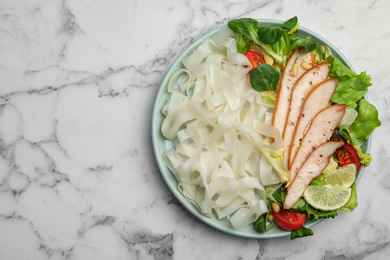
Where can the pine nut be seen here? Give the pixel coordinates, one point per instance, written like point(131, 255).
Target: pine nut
point(306, 65)
point(275, 207)
point(294, 70)
point(271, 218)
point(268, 59)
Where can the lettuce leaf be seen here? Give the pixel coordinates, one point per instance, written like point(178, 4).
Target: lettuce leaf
point(365, 123)
point(352, 86)
point(275, 159)
point(352, 203)
point(350, 91)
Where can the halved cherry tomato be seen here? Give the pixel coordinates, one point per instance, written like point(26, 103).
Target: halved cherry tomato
point(289, 220)
point(255, 59)
point(348, 155)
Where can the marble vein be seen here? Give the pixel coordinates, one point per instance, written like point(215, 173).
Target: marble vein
point(78, 178)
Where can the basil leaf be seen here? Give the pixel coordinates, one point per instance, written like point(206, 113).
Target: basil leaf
point(270, 35)
point(264, 78)
point(302, 232)
point(247, 27)
point(307, 43)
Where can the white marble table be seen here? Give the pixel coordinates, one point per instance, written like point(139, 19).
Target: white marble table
point(78, 178)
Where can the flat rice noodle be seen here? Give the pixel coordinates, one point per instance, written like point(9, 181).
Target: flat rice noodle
point(217, 120)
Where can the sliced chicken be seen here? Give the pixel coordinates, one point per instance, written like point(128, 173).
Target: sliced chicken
point(317, 99)
point(301, 89)
point(311, 169)
point(320, 131)
point(291, 73)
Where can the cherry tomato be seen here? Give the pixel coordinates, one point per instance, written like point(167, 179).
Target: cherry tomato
point(255, 59)
point(348, 155)
point(289, 220)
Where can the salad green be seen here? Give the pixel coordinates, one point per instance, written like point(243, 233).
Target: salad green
point(279, 42)
point(265, 77)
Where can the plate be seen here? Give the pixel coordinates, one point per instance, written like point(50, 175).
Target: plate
point(161, 144)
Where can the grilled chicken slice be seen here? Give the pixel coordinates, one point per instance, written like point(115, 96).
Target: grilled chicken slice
point(286, 85)
point(317, 99)
point(301, 89)
point(312, 168)
point(320, 131)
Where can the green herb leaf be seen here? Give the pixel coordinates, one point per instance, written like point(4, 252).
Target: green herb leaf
point(280, 196)
point(279, 46)
point(302, 232)
point(271, 35)
point(290, 23)
point(264, 77)
point(247, 27)
point(307, 43)
point(260, 225)
point(242, 46)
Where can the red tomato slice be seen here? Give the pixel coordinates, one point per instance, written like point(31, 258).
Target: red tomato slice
point(348, 155)
point(289, 221)
point(255, 59)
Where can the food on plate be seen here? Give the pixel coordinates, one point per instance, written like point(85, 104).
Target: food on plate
point(291, 72)
point(227, 152)
point(312, 167)
point(266, 128)
point(321, 129)
point(348, 155)
point(302, 87)
point(289, 221)
point(317, 99)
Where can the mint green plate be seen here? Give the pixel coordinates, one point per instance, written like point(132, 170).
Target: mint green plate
point(161, 145)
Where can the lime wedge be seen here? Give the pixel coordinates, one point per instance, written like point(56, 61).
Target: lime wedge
point(327, 197)
point(344, 176)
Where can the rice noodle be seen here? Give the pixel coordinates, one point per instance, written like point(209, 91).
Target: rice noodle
point(222, 129)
